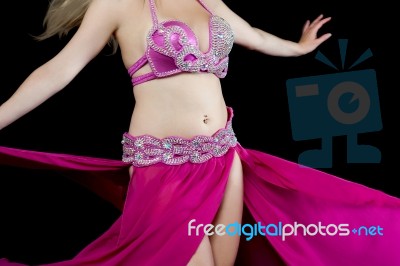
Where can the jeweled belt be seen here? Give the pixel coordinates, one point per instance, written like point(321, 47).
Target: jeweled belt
point(145, 150)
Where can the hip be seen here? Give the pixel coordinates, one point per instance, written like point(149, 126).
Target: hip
point(146, 149)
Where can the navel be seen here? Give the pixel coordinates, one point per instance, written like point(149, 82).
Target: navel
point(205, 119)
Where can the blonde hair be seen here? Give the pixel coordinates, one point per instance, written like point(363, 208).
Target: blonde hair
point(63, 16)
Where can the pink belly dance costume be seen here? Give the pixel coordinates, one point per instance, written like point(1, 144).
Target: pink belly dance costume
point(176, 180)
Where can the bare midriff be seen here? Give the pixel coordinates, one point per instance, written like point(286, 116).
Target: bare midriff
point(185, 105)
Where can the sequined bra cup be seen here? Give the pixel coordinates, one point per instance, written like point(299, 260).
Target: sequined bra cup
point(172, 47)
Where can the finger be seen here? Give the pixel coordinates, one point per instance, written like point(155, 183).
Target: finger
point(316, 20)
point(317, 42)
point(306, 25)
point(325, 20)
point(323, 38)
point(321, 23)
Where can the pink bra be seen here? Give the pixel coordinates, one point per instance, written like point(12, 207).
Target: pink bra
point(172, 47)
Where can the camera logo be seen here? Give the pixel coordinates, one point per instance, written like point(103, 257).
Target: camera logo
point(338, 104)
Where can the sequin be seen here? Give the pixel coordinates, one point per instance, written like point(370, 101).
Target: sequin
point(173, 47)
point(215, 60)
point(147, 150)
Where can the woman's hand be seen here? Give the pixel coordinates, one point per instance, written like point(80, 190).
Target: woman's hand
point(309, 39)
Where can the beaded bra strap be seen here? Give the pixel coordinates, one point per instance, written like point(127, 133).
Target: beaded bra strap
point(153, 12)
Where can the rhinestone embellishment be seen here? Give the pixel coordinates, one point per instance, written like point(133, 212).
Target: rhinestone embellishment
point(146, 150)
point(215, 60)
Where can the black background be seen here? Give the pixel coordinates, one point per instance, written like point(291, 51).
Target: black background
point(45, 217)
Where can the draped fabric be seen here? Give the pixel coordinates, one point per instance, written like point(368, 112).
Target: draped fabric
point(310, 217)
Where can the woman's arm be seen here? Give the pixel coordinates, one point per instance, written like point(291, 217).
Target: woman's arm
point(264, 42)
point(100, 21)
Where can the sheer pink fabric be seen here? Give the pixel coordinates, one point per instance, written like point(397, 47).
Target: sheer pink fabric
point(158, 202)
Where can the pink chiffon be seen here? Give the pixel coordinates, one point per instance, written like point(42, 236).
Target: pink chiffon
point(158, 202)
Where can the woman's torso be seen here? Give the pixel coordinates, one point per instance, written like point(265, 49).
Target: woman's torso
point(184, 104)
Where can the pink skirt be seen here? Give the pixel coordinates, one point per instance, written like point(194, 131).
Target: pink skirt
point(293, 215)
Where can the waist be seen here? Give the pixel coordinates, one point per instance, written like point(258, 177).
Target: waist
point(183, 122)
point(166, 107)
point(145, 150)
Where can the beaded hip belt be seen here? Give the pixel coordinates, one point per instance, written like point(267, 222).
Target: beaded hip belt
point(145, 150)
